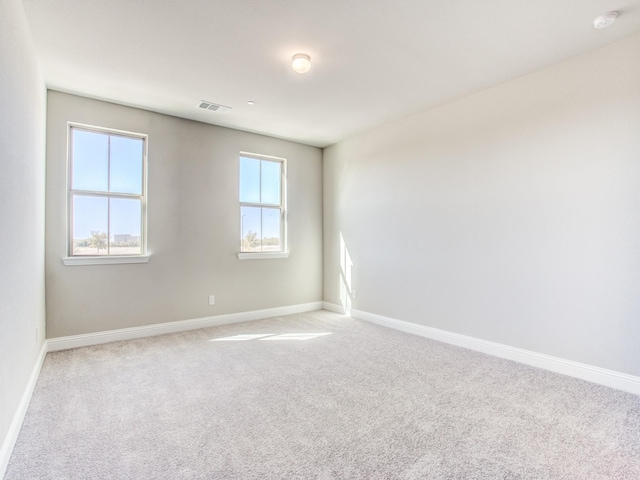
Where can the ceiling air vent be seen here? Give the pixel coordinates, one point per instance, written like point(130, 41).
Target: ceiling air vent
point(213, 106)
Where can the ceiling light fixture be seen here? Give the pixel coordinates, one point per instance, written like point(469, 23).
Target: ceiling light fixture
point(251, 102)
point(605, 20)
point(301, 63)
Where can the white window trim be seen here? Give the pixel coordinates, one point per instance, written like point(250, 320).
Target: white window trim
point(74, 260)
point(284, 253)
point(105, 260)
point(261, 255)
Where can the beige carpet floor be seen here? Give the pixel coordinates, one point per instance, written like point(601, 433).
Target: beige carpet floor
point(316, 396)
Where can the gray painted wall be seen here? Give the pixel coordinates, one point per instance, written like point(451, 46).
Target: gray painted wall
point(193, 227)
point(22, 136)
point(512, 215)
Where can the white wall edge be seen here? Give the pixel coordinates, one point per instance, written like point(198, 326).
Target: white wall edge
point(18, 417)
point(333, 307)
point(83, 340)
point(601, 376)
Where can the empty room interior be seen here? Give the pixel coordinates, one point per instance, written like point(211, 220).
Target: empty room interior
point(331, 239)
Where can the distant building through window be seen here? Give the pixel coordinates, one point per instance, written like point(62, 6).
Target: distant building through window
point(107, 202)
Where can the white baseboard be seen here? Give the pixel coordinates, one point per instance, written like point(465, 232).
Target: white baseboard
point(21, 411)
point(74, 341)
point(333, 307)
point(602, 376)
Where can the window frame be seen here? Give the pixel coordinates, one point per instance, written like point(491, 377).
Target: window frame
point(143, 256)
point(284, 246)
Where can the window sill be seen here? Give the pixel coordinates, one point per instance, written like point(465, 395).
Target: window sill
point(114, 260)
point(262, 256)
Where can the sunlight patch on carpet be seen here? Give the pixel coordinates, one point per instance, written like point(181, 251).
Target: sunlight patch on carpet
point(270, 336)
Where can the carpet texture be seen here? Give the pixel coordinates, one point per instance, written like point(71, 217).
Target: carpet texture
point(276, 399)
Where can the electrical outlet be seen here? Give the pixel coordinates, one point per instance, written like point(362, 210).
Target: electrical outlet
point(212, 299)
point(354, 293)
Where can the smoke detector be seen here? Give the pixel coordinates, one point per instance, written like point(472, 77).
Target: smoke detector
point(605, 20)
point(214, 107)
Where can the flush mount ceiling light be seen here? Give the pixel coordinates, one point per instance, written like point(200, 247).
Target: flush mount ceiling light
point(605, 20)
point(301, 63)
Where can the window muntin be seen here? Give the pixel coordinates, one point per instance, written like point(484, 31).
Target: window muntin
point(107, 201)
point(262, 206)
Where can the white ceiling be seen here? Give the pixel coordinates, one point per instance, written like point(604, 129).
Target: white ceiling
point(373, 60)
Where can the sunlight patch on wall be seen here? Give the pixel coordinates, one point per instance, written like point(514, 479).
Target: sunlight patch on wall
point(345, 276)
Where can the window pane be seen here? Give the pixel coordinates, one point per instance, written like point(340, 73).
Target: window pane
point(90, 160)
point(271, 230)
point(125, 226)
point(126, 165)
point(251, 229)
point(249, 180)
point(271, 182)
point(90, 218)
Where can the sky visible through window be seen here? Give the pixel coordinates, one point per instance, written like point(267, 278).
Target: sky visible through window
point(108, 164)
point(260, 184)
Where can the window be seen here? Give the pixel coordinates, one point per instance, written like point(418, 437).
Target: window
point(106, 196)
point(262, 206)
